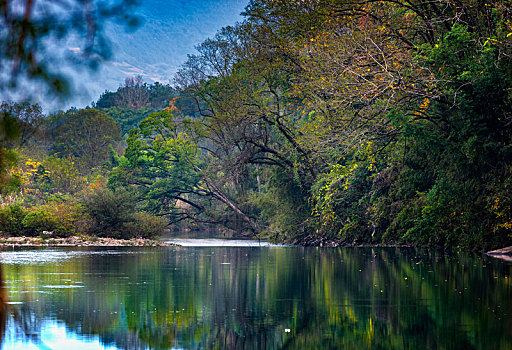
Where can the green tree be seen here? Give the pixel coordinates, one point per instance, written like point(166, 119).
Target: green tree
point(85, 134)
point(59, 175)
point(9, 134)
point(28, 120)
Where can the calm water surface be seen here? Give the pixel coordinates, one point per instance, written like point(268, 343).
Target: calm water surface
point(259, 297)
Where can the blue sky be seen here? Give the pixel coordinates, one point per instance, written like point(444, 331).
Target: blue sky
point(169, 32)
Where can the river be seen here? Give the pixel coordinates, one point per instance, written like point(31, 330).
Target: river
point(254, 296)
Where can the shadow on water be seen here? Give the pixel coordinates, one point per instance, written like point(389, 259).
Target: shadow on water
point(255, 298)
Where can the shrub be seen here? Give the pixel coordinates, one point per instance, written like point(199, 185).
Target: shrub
point(63, 219)
point(11, 220)
point(37, 221)
point(69, 218)
point(73, 216)
point(110, 212)
point(145, 226)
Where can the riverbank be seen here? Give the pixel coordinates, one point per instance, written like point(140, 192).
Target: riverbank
point(504, 254)
point(327, 242)
point(78, 241)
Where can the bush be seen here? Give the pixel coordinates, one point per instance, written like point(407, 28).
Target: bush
point(110, 212)
point(113, 214)
point(62, 219)
point(72, 219)
point(37, 221)
point(11, 220)
point(145, 226)
point(102, 212)
point(69, 218)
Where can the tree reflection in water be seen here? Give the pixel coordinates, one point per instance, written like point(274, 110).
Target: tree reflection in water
point(245, 298)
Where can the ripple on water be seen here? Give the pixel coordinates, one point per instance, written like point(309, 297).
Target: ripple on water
point(62, 286)
point(48, 255)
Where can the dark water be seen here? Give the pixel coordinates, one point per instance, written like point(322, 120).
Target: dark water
point(255, 298)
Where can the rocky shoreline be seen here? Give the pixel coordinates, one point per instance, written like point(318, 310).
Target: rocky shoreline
point(91, 241)
point(76, 241)
point(326, 242)
point(318, 241)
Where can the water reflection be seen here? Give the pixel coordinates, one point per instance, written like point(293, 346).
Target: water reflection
point(216, 242)
point(256, 298)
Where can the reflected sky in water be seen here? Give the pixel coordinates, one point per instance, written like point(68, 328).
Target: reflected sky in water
point(49, 255)
point(54, 336)
point(255, 298)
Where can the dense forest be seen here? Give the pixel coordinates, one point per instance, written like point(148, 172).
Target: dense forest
point(360, 122)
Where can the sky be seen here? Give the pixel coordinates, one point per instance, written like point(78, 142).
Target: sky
point(170, 29)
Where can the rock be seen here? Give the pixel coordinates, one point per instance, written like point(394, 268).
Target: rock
point(502, 251)
point(81, 241)
point(503, 254)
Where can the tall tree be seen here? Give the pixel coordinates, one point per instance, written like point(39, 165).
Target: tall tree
point(85, 134)
point(134, 94)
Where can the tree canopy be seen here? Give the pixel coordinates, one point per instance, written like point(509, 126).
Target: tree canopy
point(389, 120)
